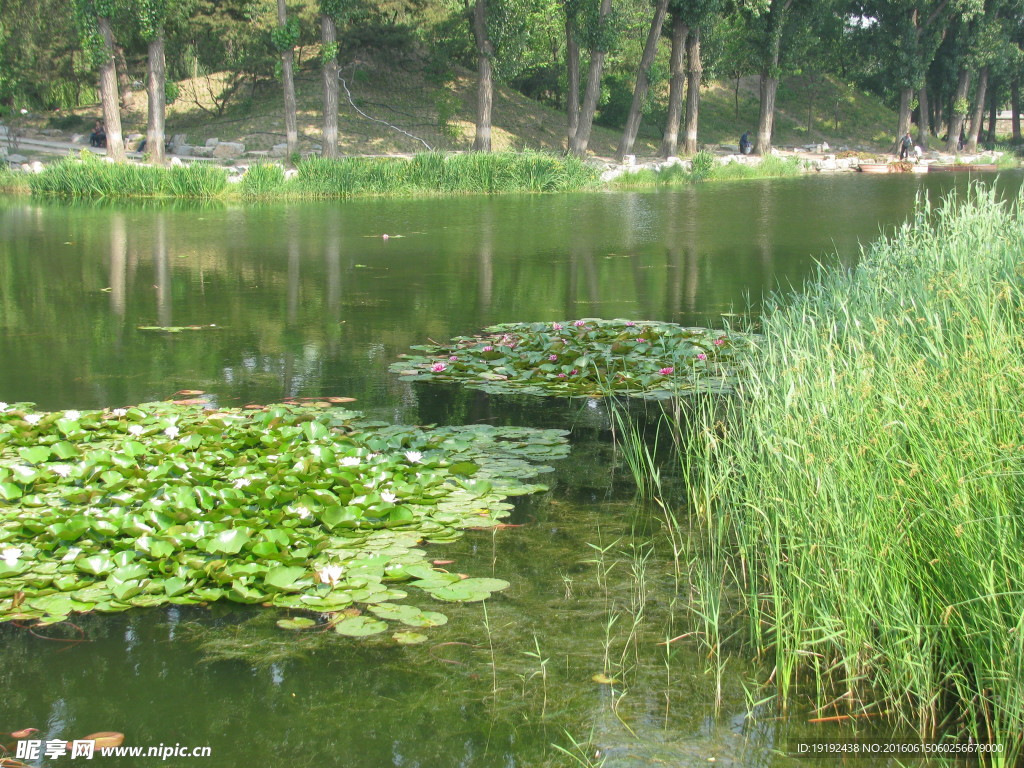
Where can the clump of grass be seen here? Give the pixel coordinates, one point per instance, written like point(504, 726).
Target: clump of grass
point(771, 167)
point(263, 180)
point(12, 182)
point(89, 176)
point(868, 482)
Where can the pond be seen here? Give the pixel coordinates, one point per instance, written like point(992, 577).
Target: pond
point(310, 300)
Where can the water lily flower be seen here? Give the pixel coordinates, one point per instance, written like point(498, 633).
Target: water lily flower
point(630, 323)
point(388, 496)
point(438, 367)
point(3, 407)
point(302, 512)
point(666, 371)
point(453, 359)
point(119, 412)
point(719, 342)
point(172, 431)
point(350, 461)
point(488, 348)
point(413, 456)
point(136, 429)
point(10, 556)
point(702, 356)
point(556, 326)
point(72, 415)
point(641, 340)
point(552, 358)
point(579, 323)
point(64, 470)
point(329, 574)
point(573, 372)
point(34, 418)
point(561, 375)
point(242, 482)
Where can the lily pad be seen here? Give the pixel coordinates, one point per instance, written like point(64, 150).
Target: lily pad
point(589, 357)
point(360, 626)
point(469, 590)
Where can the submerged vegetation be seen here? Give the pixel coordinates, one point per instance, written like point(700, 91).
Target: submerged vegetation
point(862, 496)
point(291, 506)
point(589, 357)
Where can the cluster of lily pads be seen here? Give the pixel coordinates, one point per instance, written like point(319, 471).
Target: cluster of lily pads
point(301, 507)
point(588, 357)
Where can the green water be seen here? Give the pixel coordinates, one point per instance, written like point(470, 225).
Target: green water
point(310, 300)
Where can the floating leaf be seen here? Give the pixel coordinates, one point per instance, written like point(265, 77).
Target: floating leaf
point(300, 622)
point(360, 626)
point(468, 590)
point(406, 637)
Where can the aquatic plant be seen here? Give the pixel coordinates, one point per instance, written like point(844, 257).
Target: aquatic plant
point(863, 491)
point(588, 357)
point(292, 506)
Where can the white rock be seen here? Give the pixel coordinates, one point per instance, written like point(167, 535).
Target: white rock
point(17, 158)
point(291, 173)
point(212, 142)
point(202, 151)
point(629, 159)
point(176, 161)
point(184, 150)
point(279, 150)
point(37, 167)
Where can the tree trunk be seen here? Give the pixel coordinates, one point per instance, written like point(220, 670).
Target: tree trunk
point(124, 83)
point(291, 130)
point(108, 94)
point(485, 82)
point(924, 119)
point(1015, 108)
point(993, 114)
point(693, 83)
point(155, 89)
point(572, 65)
point(670, 141)
point(642, 83)
point(979, 111)
point(766, 117)
point(903, 116)
point(329, 36)
point(956, 116)
point(580, 141)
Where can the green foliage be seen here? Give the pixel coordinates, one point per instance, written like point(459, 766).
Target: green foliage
point(702, 165)
point(285, 37)
point(262, 180)
point(88, 176)
point(328, 53)
point(300, 507)
point(588, 357)
point(867, 482)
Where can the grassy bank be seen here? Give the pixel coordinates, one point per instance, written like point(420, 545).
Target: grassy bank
point(425, 174)
point(705, 167)
point(864, 493)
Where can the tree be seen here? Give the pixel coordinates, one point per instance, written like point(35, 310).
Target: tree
point(485, 76)
point(572, 67)
point(92, 18)
point(677, 67)
point(152, 15)
point(601, 38)
point(642, 82)
point(331, 12)
point(284, 37)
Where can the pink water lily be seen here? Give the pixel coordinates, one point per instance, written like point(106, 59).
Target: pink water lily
point(579, 323)
point(641, 340)
point(488, 348)
point(719, 342)
point(561, 375)
point(438, 367)
point(556, 326)
point(666, 371)
point(702, 356)
point(552, 358)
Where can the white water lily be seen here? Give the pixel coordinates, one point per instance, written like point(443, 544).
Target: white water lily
point(119, 412)
point(10, 556)
point(302, 512)
point(242, 482)
point(413, 456)
point(350, 461)
point(3, 407)
point(172, 431)
point(330, 574)
point(64, 470)
point(136, 429)
point(72, 415)
point(388, 496)
point(34, 418)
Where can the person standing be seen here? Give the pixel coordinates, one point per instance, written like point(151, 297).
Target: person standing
point(906, 146)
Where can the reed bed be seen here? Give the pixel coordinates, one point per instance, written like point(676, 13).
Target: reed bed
point(705, 167)
point(864, 492)
point(427, 174)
